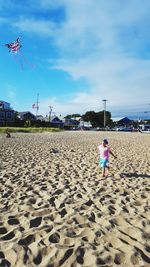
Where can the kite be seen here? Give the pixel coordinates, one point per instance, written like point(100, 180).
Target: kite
point(15, 46)
point(15, 49)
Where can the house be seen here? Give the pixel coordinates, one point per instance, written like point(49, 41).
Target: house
point(124, 121)
point(144, 127)
point(70, 122)
point(85, 124)
point(26, 115)
point(40, 118)
point(6, 114)
point(124, 124)
point(56, 122)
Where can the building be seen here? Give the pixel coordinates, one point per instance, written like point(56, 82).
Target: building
point(26, 115)
point(70, 122)
point(85, 124)
point(125, 122)
point(144, 127)
point(6, 114)
point(56, 122)
point(40, 118)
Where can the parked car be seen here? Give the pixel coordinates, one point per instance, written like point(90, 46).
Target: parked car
point(124, 129)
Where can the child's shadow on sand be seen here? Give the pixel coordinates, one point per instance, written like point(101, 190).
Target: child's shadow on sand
point(134, 175)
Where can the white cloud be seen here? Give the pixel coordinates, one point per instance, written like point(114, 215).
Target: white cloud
point(79, 102)
point(58, 106)
point(118, 79)
point(34, 26)
point(103, 42)
point(90, 41)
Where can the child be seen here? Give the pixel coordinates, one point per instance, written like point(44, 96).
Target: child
point(8, 134)
point(104, 156)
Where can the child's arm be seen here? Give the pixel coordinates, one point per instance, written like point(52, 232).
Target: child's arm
point(112, 154)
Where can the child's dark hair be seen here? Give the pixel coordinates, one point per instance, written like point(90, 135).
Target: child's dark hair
point(105, 141)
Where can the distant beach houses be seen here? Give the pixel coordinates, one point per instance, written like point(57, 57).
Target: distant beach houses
point(26, 115)
point(6, 113)
point(10, 117)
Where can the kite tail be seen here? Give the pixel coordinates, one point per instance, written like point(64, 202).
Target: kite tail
point(26, 61)
point(20, 62)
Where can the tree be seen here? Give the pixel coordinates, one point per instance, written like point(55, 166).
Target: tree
point(69, 116)
point(17, 121)
point(101, 118)
point(92, 117)
point(97, 118)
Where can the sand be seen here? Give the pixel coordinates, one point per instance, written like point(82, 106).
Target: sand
point(57, 210)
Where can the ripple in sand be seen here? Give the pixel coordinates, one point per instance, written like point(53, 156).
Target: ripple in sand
point(9, 236)
point(27, 240)
point(2, 255)
point(134, 259)
point(5, 263)
point(35, 222)
point(54, 238)
point(119, 258)
point(147, 248)
point(80, 255)
point(89, 258)
point(11, 256)
point(37, 260)
point(67, 254)
point(13, 221)
point(100, 262)
point(3, 230)
point(116, 243)
point(68, 242)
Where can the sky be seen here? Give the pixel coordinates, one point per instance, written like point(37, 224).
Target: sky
point(74, 54)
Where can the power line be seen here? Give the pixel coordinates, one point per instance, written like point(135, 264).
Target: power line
point(132, 105)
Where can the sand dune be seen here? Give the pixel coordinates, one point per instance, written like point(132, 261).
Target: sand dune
point(57, 210)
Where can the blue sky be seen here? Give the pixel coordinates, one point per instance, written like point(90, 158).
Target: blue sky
point(82, 51)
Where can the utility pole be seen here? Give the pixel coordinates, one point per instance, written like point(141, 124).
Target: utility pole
point(50, 112)
point(104, 104)
point(37, 105)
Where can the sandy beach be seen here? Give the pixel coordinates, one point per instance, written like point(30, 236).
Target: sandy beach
point(57, 210)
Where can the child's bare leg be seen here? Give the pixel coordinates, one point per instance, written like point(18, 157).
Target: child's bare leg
point(103, 171)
